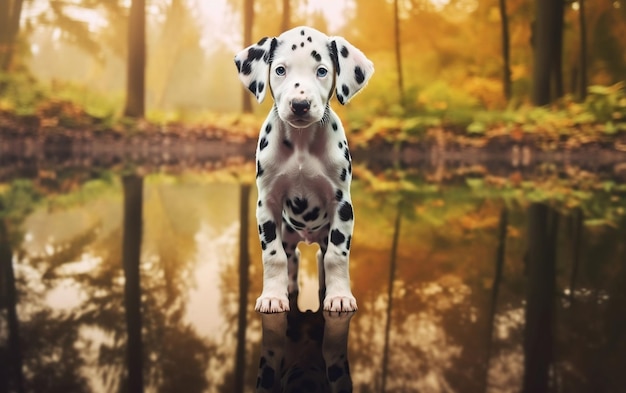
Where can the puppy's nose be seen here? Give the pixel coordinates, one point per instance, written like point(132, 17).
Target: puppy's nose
point(300, 107)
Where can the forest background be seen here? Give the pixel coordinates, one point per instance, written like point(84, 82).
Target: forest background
point(545, 66)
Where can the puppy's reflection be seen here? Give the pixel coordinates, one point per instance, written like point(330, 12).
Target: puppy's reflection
point(304, 352)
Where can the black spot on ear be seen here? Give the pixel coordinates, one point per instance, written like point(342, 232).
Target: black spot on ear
point(260, 87)
point(312, 215)
point(344, 173)
point(293, 47)
point(348, 242)
point(262, 41)
point(359, 76)
point(340, 98)
point(259, 169)
point(299, 205)
point(263, 143)
point(336, 237)
point(345, 212)
point(252, 87)
point(316, 56)
point(238, 64)
point(344, 51)
point(263, 245)
point(334, 125)
point(269, 230)
point(345, 90)
point(334, 372)
point(268, 128)
point(339, 195)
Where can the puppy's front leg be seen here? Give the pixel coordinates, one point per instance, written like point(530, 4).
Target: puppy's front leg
point(275, 278)
point(336, 260)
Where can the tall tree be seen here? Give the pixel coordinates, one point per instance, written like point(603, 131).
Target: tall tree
point(248, 22)
point(285, 22)
point(546, 44)
point(136, 73)
point(506, 61)
point(10, 13)
point(131, 253)
point(398, 50)
point(583, 49)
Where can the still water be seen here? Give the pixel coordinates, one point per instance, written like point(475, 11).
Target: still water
point(466, 282)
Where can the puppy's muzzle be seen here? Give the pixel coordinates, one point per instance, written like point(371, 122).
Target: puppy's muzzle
point(300, 107)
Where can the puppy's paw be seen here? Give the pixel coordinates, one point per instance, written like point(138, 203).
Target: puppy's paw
point(340, 303)
point(272, 304)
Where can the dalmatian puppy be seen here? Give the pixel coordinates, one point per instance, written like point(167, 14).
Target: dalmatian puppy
point(303, 165)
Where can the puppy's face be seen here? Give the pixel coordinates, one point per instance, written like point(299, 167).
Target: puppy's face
point(301, 76)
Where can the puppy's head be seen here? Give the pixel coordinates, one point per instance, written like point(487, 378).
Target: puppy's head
point(302, 67)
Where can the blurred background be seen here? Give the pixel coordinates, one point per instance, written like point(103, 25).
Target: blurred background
point(489, 187)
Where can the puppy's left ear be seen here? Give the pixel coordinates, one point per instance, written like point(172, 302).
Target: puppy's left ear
point(253, 65)
point(352, 69)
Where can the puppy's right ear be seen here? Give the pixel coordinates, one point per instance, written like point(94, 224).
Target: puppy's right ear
point(253, 66)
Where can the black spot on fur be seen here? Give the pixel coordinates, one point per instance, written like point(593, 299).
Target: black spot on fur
point(260, 230)
point(263, 143)
point(301, 32)
point(302, 44)
point(338, 195)
point(254, 54)
point(312, 215)
point(287, 143)
point(340, 145)
point(335, 126)
point(268, 128)
point(299, 205)
point(344, 52)
point(268, 56)
point(345, 90)
point(263, 245)
point(359, 76)
point(346, 154)
point(334, 373)
point(262, 41)
point(309, 39)
point(350, 167)
point(259, 169)
point(267, 378)
point(273, 252)
point(345, 212)
point(348, 242)
point(340, 99)
point(316, 56)
point(252, 87)
point(293, 47)
point(297, 224)
point(259, 203)
point(336, 237)
point(238, 64)
point(344, 173)
point(269, 230)
point(260, 87)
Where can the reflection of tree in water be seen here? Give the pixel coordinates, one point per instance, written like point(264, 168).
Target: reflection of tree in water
point(58, 342)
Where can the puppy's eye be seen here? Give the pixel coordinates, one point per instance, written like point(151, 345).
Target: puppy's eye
point(280, 71)
point(322, 72)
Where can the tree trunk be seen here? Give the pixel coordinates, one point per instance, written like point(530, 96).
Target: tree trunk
point(506, 66)
point(583, 49)
point(538, 335)
point(248, 22)
point(244, 263)
point(392, 277)
point(396, 33)
point(544, 42)
point(136, 71)
point(285, 22)
point(557, 61)
point(10, 13)
point(131, 253)
point(14, 380)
